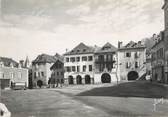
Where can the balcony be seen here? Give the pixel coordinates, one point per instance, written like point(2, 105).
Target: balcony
point(104, 61)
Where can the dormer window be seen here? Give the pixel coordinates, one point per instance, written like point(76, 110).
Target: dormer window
point(78, 50)
point(84, 50)
point(11, 65)
point(1, 64)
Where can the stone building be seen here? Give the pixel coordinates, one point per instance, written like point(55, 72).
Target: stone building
point(79, 65)
point(131, 60)
point(12, 72)
point(87, 65)
point(165, 8)
point(57, 75)
point(158, 59)
point(41, 69)
point(160, 52)
point(105, 64)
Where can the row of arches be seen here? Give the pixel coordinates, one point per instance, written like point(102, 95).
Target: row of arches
point(105, 78)
point(79, 79)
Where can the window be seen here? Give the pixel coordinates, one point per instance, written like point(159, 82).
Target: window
point(109, 57)
point(59, 66)
point(68, 69)
point(128, 54)
point(1, 64)
point(67, 59)
point(57, 73)
point(1, 75)
point(84, 68)
point(77, 59)
point(101, 58)
point(136, 54)
point(128, 65)
point(39, 74)
point(90, 58)
point(78, 50)
point(84, 58)
point(73, 68)
point(78, 68)
point(90, 67)
point(35, 75)
point(42, 74)
point(36, 66)
point(136, 64)
point(72, 59)
point(19, 75)
point(62, 73)
point(11, 75)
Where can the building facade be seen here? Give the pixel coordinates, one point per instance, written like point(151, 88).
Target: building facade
point(165, 8)
point(41, 72)
point(131, 61)
point(12, 72)
point(57, 75)
point(158, 59)
point(160, 52)
point(105, 64)
point(79, 65)
point(89, 65)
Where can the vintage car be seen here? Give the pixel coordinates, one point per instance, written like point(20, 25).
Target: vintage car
point(19, 86)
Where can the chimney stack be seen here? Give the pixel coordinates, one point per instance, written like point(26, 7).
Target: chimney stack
point(119, 44)
point(21, 63)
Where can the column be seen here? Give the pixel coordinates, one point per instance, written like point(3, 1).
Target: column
point(74, 81)
point(83, 80)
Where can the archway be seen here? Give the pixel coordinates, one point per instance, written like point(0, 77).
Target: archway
point(40, 83)
point(78, 79)
point(70, 80)
point(132, 75)
point(87, 79)
point(106, 78)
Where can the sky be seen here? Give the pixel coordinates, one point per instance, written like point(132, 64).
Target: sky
point(32, 27)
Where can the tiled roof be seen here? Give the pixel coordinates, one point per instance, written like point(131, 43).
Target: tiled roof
point(132, 45)
point(81, 49)
point(55, 64)
point(44, 58)
point(7, 61)
point(107, 48)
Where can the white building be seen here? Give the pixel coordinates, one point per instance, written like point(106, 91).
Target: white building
point(41, 69)
point(131, 60)
point(79, 65)
point(12, 72)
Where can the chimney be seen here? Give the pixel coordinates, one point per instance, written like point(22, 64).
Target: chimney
point(21, 63)
point(66, 50)
point(119, 44)
point(139, 43)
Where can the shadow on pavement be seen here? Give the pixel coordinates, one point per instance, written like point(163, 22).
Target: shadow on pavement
point(130, 89)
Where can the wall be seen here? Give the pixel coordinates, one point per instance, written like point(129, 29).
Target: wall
point(41, 67)
point(15, 74)
point(80, 63)
point(122, 71)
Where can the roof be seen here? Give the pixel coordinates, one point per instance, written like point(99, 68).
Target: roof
point(107, 48)
point(7, 61)
point(56, 63)
point(81, 49)
point(133, 45)
point(45, 58)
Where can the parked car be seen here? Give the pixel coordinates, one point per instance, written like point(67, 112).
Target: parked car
point(19, 86)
